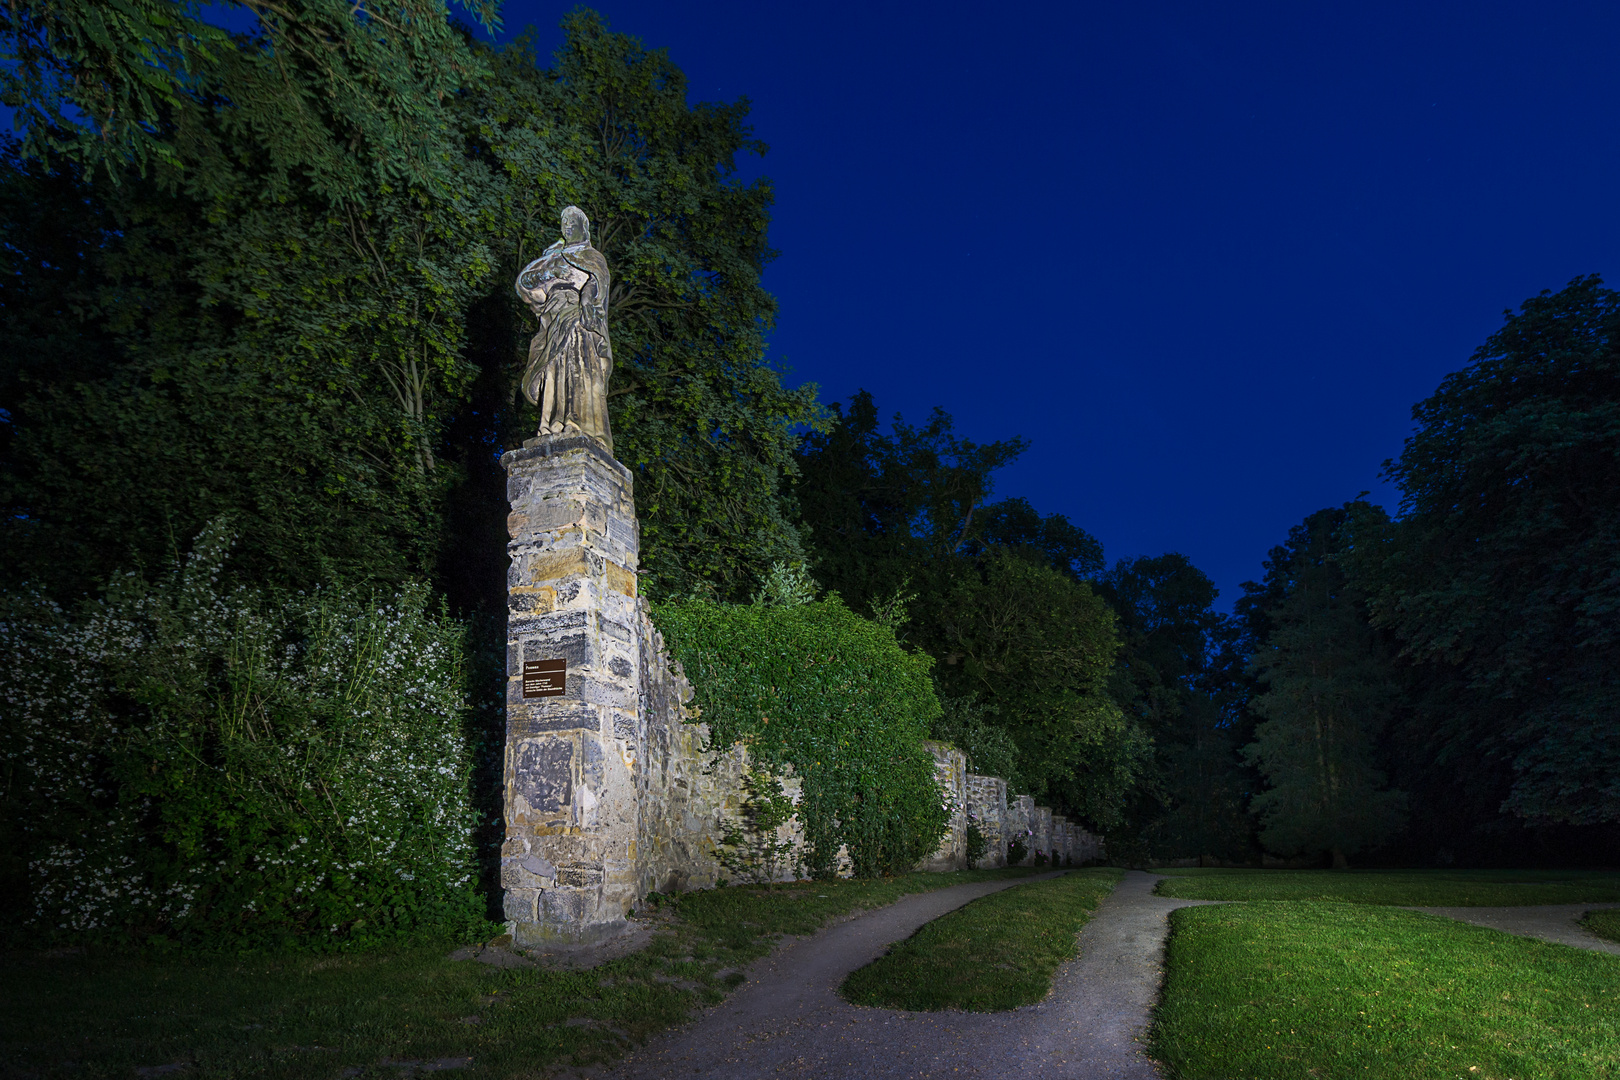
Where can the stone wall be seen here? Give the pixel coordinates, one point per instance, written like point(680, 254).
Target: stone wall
point(987, 808)
point(950, 772)
point(689, 797)
point(609, 793)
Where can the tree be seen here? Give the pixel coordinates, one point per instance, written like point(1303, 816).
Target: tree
point(699, 413)
point(991, 589)
point(884, 510)
point(337, 376)
point(1502, 578)
point(284, 366)
point(1329, 692)
point(1038, 648)
point(1175, 678)
point(333, 96)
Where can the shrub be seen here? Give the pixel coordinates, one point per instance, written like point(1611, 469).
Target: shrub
point(217, 765)
point(818, 688)
point(976, 844)
point(1017, 852)
point(755, 848)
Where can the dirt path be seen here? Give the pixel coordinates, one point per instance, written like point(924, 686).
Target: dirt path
point(1550, 922)
point(787, 1020)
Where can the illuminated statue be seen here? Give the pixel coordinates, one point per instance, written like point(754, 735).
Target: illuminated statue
point(570, 359)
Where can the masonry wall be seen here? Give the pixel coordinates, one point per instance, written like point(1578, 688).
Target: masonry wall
point(609, 793)
point(987, 808)
point(950, 772)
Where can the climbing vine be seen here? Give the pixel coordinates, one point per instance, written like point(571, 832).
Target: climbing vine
point(818, 689)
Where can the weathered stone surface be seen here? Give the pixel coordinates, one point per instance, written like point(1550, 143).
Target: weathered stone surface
point(950, 771)
point(571, 358)
point(987, 807)
point(609, 791)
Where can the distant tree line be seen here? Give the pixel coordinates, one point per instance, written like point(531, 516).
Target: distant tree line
point(260, 284)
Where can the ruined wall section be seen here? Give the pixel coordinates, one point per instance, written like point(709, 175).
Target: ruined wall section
point(690, 795)
point(950, 773)
point(987, 808)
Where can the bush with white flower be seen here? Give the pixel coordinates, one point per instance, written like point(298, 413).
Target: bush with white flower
point(189, 761)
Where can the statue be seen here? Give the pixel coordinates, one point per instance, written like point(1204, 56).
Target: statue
point(570, 359)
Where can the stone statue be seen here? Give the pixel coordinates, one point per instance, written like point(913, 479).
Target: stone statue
point(570, 359)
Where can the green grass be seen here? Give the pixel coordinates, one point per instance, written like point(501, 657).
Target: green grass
point(1605, 924)
point(1319, 991)
point(1413, 888)
point(101, 1014)
point(998, 952)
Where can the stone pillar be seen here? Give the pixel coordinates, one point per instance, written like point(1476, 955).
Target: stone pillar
point(1042, 824)
point(1060, 839)
point(568, 862)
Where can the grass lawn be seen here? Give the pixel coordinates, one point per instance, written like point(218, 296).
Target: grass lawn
point(1605, 924)
point(105, 1013)
point(1412, 888)
point(1332, 991)
point(998, 952)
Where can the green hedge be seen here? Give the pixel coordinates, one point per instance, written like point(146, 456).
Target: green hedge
point(818, 688)
point(182, 761)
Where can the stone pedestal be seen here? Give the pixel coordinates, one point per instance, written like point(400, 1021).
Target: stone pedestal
point(568, 861)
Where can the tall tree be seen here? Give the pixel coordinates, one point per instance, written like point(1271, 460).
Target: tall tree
point(1174, 677)
point(888, 509)
point(332, 96)
point(1328, 695)
point(992, 590)
point(698, 411)
point(1502, 578)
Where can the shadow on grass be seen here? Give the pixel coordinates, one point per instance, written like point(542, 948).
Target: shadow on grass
point(110, 1014)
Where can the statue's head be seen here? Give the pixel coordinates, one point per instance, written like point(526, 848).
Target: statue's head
point(576, 227)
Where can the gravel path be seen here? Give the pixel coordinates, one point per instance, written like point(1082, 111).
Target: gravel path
point(1549, 922)
point(787, 1020)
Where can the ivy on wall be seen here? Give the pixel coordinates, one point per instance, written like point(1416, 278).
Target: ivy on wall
point(817, 689)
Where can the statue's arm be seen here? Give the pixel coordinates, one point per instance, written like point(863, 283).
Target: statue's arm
point(596, 293)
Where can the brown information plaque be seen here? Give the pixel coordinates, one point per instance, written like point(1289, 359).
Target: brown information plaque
point(544, 678)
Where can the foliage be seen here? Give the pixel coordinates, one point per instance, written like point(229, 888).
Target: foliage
point(993, 591)
point(301, 1018)
point(977, 845)
point(330, 94)
point(1179, 676)
point(1329, 691)
point(886, 511)
point(970, 727)
point(699, 414)
point(785, 586)
point(1017, 851)
point(284, 363)
point(1502, 579)
point(818, 688)
point(1039, 648)
point(334, 371)
point(196, 762)
point(1341, 991)
point(999, 952)
point(759, 846)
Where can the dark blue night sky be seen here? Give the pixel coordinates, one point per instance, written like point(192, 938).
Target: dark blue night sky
point(1206, 257)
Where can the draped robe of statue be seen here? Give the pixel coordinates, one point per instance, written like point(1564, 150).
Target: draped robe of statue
point(571, 358)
